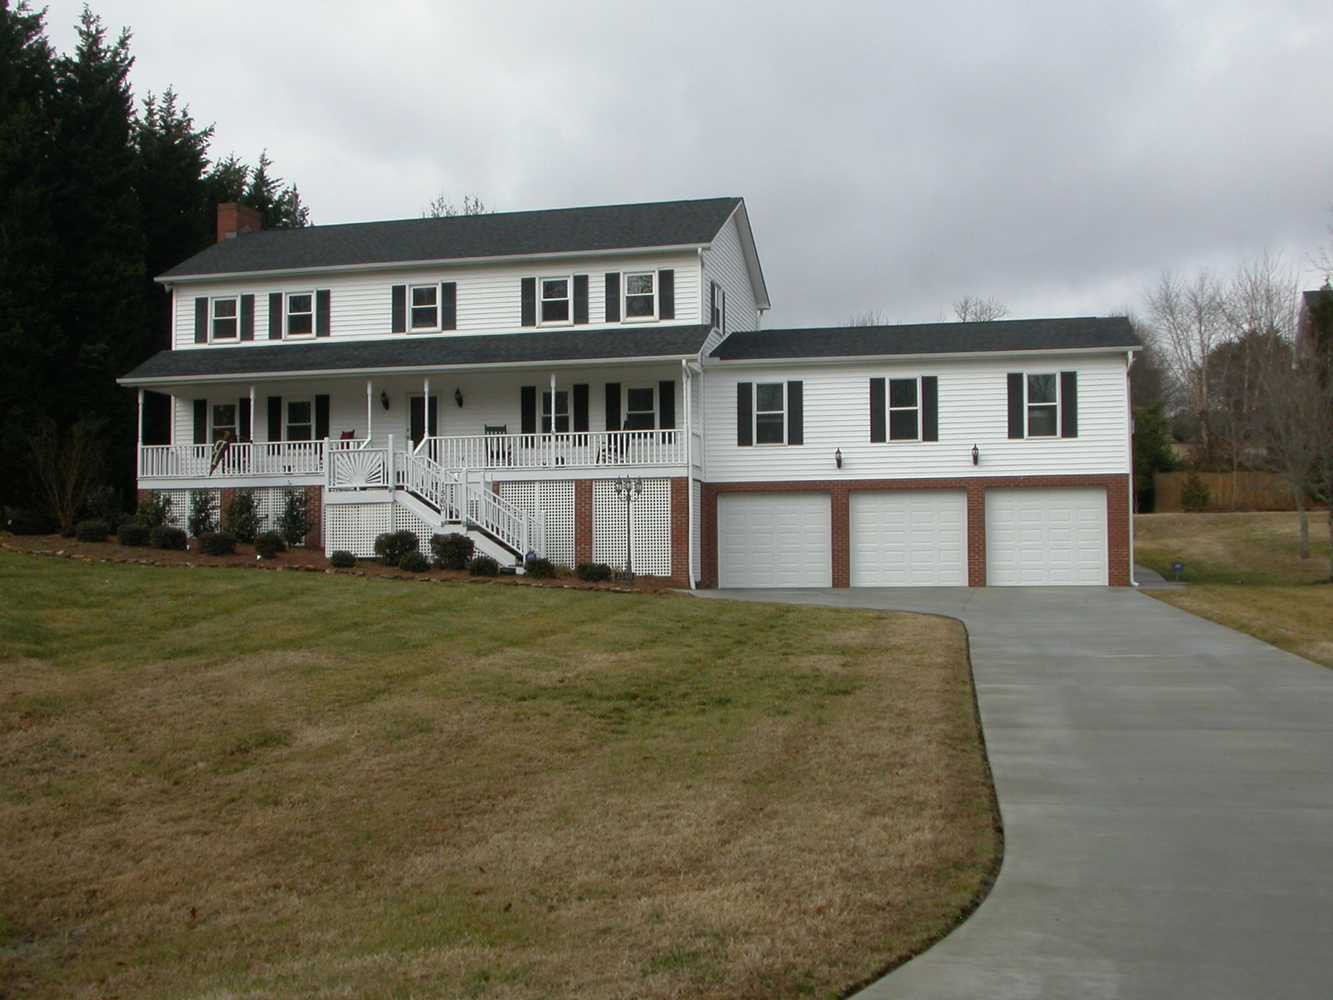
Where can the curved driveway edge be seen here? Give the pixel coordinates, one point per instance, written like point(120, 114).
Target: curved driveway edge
point(1166, 786)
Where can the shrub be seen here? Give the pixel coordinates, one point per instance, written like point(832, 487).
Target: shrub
point(593, 572)
point(393, 545)
point(540, 569)
point(269, 543)
point(168, 536)
point(483, 566)
point(294, 521)
point(1194, 494)
point(134, 533)
point(203, 512)
point(451, 551)
point(94, 530)
point(217, 543)
point(30, 522)
point(342, 559)
point(104, 504)
point(154, 510)
point(414, 562)
point(241, 519)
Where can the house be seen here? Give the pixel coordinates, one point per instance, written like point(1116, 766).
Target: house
point(499, 374)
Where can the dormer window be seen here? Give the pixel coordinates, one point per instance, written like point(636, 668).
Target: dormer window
point(425, 307)
point(555, 301)
point(641, 295)
point(224, 323)
point(300, 314)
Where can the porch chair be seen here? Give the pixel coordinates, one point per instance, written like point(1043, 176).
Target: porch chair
point(497, 452)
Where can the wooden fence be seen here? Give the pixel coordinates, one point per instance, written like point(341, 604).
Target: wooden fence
point(1244, 491)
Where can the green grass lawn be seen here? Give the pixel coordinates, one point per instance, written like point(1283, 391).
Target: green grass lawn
point(227, 783)
point(1245, 572)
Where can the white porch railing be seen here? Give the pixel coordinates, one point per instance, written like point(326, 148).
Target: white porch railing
point(471, 503)
point(238, 460)
point(542, 451)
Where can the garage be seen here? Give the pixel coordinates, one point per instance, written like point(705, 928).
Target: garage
point(908, 538)
point(774, 540)
point(1046, 537)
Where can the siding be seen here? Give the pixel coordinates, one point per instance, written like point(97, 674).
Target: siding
point(972, 410)
point(724, 263)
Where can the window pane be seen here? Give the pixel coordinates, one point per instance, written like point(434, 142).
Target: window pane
point(639, 399)
point(224, 329)
point(561, 402)
point(902, 392)
point(902, 425)
point(555, 288)
point(768, 428)
point(298, 432)
point(1041, 421)
point(299, 323)
point(768, 396)
point(555, 312)
point(223, 308)
point(298, 412)
point(639, 421)
point(424, 295)
point(423, 317)
point(298, 303)
point(638, 305)
point(1041, 388)
point(639, 284)
point(224, 415)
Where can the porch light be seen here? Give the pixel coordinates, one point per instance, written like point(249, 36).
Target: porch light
point(976, 455)
point(837, 457)
point(458, 397)
point(384, 399)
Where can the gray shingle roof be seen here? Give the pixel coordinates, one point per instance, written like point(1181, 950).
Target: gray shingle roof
point(499, 234)
point(930, 338)
point(422, 352)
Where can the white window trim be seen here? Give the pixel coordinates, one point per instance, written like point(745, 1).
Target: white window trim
point(890, 409)
point(542, 415)
point(625, 296)
point(1059, 408)
point(435, 327)
point(286, 416)
point(235, 318)
point(235, 424)
point(568, 279)
point(287, 315)
point(754, 418)
point(657, 405)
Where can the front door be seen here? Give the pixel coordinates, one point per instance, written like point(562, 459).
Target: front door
point(417, 423)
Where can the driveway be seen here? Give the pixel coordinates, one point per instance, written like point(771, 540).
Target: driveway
point(1167, 792)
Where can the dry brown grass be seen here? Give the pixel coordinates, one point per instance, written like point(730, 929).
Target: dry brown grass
point(276, 785)
point(1297, 619)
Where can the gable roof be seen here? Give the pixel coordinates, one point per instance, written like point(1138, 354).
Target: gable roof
point(464, 237)
point(1080, 333)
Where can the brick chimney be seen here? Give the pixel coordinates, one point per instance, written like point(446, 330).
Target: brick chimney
point(235, 219)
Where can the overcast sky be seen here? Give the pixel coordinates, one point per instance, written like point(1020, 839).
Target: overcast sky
point(1054, 155)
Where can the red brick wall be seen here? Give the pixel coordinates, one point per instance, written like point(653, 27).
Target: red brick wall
point(582, 521)
point(314, 497)
point(680, 531)
point(1117, 516)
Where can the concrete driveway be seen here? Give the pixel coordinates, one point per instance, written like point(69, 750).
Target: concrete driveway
point(1167, 792)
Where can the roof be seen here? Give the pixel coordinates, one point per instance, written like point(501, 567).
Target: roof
point(463, 237)
point(406, 352)
point(1081, 333)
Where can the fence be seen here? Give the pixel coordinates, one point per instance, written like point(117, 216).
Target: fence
point(1243, 491)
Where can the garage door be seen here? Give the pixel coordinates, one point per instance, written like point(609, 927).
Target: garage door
point(909, 539)
point(774, 540)
point(1045, 537)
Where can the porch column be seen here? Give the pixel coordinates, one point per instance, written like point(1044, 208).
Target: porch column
point(138, 451)
point(370, 410)
point(425, 412)
point(252, 412)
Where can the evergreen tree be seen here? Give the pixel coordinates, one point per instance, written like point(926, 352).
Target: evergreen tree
point(262, 192)
point(227, 180)
point(291, 212)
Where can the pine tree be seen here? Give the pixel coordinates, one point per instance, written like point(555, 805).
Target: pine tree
point(262, 192)
point(227, 179)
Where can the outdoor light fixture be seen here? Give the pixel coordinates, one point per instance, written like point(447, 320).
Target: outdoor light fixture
point(976, 455)
point(384, 399)
point(458, 397)
point(628, 489)
point(837, 457)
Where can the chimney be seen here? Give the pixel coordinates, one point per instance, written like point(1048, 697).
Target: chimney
point(235, 219)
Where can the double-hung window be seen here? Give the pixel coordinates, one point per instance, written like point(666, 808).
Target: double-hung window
point(640, 295)
point(640, 409)
point(770, 413)
point(225, 324)
point(300, 314)
point(557, 420)
point(555, 301)
point(425, 313)
point(300, 420)
point(224, 421)
point(904, 409)
point(1043, 405)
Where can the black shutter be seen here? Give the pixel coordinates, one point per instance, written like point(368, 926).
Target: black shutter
point(201, 325)
point(712, 303)
point(877, 428)
point(528, 292)
point(613, 305)
point(795, 413)
point(243, 419)
point(1015, 404)
point(448, 305)
point(321, 417)
point(723, 324)
point(1069, 404)
point(527, 408)
point(399, 317)
point(275, 315)
point(323, 319)
point(433, 417)
point(930, 408)
point(275, 418)
point(581, 407)
point(666, 405)
point(247, 317)
point(201, 418)
point(613, 406)
point(744, 414)
point(666, 293)
point(580, 298)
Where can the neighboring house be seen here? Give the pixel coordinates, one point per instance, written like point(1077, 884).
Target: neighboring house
point(497, 374)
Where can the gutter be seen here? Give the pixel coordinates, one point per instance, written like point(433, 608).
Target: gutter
point(1129, 408)
point(850, 359)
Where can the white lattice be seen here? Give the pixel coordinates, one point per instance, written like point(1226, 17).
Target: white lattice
point(269, 504)
point(353, 527)
point(652, 527)
point(696, 520)
point(555, 500)
point(180, 506)
point(405, 520)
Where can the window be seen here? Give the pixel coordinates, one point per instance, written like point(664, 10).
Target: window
point(224, 319)
point(1043, 405)
point(640, 409)
point(904, 409)
point(425, 307)
point(561, 412)
point(300, 314)
point(300, 420)
point(770, 418)
point(224, 421)
point(555, 300)
point(641, 295)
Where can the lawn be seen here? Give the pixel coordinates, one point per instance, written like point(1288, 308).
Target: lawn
point(230, 783)
point(1244, 571)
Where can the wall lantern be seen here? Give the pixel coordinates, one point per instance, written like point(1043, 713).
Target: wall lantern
point(384, 399)
point(837, 458)
point(458, 397)
point(976, 455)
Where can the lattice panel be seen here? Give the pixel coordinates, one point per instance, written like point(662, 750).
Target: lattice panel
point(696, 521)
point(556, 501)
point(405, 520)
point(180, 506)
point(353, 527)
point(269, 504)
point(652, 527)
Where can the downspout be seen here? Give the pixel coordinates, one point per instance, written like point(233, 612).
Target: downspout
point(1129, 409)
point(687, 385)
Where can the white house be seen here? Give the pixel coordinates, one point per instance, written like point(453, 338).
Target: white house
point(498, 374)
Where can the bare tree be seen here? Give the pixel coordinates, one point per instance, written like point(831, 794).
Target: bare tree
point(974, 309)
point(1191, 320)
point(440, 207)
point(66, 465)
point(1294, 415)
point(869, 317)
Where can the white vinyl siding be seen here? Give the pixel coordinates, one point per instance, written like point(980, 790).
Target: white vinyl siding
point(774, 540)
point(725, 263)
point(908, 538)
point(1046, 537)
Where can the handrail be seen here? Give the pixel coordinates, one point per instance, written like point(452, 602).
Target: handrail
point(240, 459)
point(474, 504)
point(576, 449)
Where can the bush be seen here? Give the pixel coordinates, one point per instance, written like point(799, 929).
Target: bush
point(241, 519)
point(135, 534)
point(1194, 494)
point(203, 512)
point(414, 562)
point(483, 566)
point(168, 536)
point(92, 531)
point(342, 559)
point(269, 543)
point(540, 569)
point(593, 572)
point(294, 521)
point(217, 543)
point(29, 522)
point(154, 510)
point(103, 504)
point(451, 551)
point(393, 545)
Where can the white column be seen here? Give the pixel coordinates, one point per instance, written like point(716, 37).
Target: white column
point(138, 433)
point(252, 412)
point(370, 410)
point(425, 411)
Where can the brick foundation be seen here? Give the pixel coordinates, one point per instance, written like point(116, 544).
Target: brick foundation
point(582, 521)
point(314, 498)
point(1117, 516)
point(680, 531)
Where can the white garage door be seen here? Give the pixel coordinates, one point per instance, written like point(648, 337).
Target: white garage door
point(909, 539)
point(1046, 537)
point(774, 540)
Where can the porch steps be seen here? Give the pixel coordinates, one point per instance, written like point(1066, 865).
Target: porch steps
point(483, 541)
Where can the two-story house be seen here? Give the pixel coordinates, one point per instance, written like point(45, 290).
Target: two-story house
point(498, 374)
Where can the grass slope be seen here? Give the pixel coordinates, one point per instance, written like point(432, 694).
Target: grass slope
point(224, 784)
